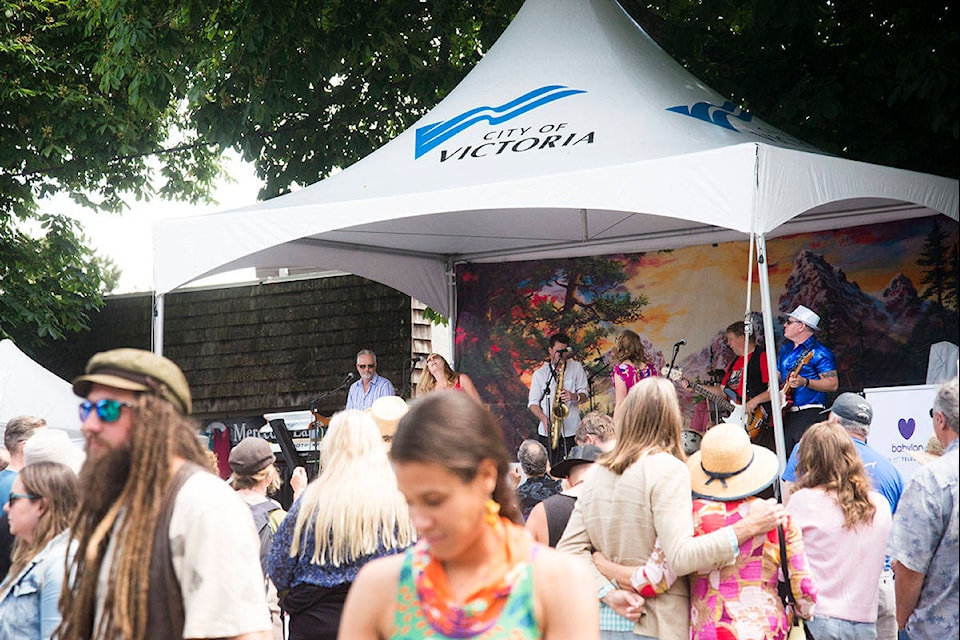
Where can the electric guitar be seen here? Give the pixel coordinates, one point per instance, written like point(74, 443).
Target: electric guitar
point(786, 392)
point(753, 423)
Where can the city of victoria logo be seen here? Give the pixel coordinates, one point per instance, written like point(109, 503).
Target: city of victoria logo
point(431, 136)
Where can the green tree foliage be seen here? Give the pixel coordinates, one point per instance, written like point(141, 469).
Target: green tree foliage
point(874, 80)
point(56, 264)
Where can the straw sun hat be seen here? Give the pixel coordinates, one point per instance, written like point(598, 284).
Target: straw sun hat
point(386, 412)
point(728, 467)
point(933, 451)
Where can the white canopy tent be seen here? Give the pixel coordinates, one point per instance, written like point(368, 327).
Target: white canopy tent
point(575, 135)
point(27, 388)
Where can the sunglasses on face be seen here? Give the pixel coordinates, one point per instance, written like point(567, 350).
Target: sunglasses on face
point(18, 496)
point(792, 321)
point(366, 366)
point(107, 410)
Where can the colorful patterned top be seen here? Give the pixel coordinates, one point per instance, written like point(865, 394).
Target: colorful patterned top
point(741, 600)
point(504, 611)
point(630, 374)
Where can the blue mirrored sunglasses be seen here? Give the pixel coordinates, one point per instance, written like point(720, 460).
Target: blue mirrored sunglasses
point(107, 410)
point(18, 496)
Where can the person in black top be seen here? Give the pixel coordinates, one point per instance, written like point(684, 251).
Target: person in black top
point(538, 485)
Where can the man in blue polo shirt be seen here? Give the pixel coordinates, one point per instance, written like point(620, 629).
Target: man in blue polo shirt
point(855, 414)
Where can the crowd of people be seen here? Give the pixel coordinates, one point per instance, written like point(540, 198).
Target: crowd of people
point(417, 525)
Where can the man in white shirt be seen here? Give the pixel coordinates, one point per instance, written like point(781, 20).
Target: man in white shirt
point(543, 392)
point(165, 548)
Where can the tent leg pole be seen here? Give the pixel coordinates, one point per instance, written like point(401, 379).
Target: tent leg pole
point(771, 347)
point(452, 308)
point(157, 324)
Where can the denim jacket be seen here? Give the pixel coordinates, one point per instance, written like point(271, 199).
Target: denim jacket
point(28, 605)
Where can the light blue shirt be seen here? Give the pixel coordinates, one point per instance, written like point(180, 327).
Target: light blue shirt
point(926, 539)
point(28, 605)
point(379, 387)
point(6, 486)
point(884, 476)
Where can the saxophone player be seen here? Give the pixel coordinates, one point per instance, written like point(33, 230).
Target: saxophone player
point(558, 410)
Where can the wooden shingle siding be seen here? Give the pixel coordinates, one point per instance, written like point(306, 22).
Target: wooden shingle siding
point(251, 349)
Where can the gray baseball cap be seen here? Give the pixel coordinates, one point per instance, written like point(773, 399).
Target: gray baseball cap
point(852, 407)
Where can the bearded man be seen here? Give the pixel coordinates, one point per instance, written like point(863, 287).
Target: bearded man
point(165, 548)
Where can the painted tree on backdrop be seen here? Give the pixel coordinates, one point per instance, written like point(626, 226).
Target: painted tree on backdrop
point(510, 314)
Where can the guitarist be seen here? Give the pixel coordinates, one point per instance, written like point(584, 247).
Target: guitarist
point(758, 395)
point(805, 388)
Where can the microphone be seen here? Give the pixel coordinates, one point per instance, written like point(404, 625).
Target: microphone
point(417, 359)
point(680, 343)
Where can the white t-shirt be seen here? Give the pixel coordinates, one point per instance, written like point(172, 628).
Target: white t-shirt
point(216, 558)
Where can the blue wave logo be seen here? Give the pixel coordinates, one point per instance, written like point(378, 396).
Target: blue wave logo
point(713, 114)
point(432, 135)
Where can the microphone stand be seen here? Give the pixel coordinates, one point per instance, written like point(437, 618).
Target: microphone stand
point(673, 360)
point(590, 382)
point(316, 430)
point(546, 391)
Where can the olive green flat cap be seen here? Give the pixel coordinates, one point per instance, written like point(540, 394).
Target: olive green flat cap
point(136, 370)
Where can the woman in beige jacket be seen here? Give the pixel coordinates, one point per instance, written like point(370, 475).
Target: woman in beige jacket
point(641, 491)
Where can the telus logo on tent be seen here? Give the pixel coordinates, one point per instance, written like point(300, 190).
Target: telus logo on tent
point(720, 116)
point(713, 114)
point(429, 137)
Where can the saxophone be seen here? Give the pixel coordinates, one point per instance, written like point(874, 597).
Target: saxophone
point(559, 409)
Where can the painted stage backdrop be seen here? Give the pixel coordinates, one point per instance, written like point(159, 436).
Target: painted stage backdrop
point(885, 293)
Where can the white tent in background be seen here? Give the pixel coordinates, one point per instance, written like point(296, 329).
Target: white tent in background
point(575, 135)
point(26, 388)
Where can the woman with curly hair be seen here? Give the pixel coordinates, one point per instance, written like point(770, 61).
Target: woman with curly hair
point(42, 503)
point(631, 365)
point(838, 512)
point(440, 375)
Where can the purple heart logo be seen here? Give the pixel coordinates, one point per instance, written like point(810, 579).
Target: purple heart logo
point(906, 427)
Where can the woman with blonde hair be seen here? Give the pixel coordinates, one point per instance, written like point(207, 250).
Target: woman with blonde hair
point(350, 514)
point(631, 366)
point(641, 491)
point(42, 503)
point(474, 573)
point(838, 512)
point(438, 374)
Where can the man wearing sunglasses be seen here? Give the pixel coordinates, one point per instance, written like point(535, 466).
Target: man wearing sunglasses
point(808, 372)
point(370, 386)
point(153, 519)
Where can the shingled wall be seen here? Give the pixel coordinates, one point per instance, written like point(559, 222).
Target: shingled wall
point(247, 350)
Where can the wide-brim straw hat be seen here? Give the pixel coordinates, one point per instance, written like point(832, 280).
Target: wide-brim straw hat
point(728, 466)
point(933, 451)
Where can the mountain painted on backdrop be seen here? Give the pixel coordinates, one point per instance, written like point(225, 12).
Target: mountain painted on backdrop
point(876, 341)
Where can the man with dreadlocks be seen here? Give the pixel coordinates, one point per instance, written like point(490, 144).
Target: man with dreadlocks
point(165, 548)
